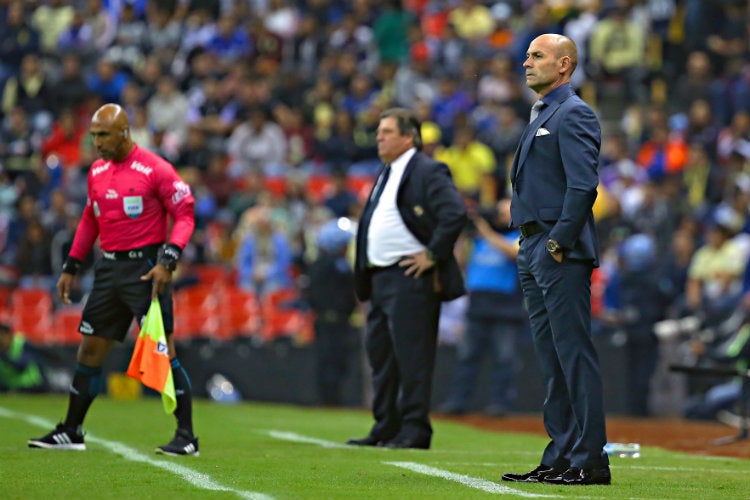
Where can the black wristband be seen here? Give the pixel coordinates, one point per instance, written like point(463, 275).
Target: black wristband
point(71, 265)
point(168, 256)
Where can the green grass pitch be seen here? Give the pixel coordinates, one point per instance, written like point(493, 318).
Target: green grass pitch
point(263, 451)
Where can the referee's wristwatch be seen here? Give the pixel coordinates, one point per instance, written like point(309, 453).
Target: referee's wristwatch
point(553, 247)
point(168, 256)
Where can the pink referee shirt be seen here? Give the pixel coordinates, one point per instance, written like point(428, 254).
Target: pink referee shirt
point(130, 204)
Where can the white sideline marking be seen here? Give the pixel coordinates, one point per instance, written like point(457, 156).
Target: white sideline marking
point(471, 482)
point(299, 438)
point(197, 479)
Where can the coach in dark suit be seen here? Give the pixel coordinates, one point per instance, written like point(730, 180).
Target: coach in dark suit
point(405, 267)
point(554, 177)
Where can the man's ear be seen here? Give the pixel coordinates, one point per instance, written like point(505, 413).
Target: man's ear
point(565, 64)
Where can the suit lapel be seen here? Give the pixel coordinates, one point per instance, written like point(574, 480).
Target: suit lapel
point(409, 168)
point(407, 172)
point(523, 147)
point(531, 132)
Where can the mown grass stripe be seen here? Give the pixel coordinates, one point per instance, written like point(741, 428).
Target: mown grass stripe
point(197, 479)
point(472, 482)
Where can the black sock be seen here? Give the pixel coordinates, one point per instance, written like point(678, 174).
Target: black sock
point(184, 393)
point(86, 385)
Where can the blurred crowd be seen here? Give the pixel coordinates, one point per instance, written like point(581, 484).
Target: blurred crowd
point(269, 109)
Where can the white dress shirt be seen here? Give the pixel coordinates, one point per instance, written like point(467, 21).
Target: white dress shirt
point(388, 239)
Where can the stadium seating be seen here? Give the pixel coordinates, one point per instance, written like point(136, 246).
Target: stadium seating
point(196, 312)
point(65, 323)
point(317, 187)
point(213, 309)
point(276, 185)
point(282, 317)
point(239, 313)
point(31, 313)
point(360, 185)
point(5, 308)
point(214, 275)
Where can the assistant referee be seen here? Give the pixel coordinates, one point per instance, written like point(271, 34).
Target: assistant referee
point(132, 196)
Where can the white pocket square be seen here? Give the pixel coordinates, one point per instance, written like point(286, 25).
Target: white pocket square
point(542, 131)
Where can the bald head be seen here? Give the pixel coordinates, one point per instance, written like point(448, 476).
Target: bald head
point(550, 61)
point(112, 115)
point(562, 46)
point(110, 131)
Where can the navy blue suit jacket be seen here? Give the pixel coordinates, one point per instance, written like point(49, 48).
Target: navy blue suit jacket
point(555, 173)
point(434, 212)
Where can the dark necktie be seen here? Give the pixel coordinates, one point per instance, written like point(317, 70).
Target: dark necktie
point(364, 222)
point(535, 109)
point(377, 191)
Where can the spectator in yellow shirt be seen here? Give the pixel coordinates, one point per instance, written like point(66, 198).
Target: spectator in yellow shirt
point(714, 284)
point(471, 162)
point(472, 20)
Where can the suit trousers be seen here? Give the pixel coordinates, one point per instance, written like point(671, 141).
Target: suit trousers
point(558, 299)
point(402, 326)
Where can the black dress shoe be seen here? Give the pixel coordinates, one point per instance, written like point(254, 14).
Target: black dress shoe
point(365, 441)
point(406, 442)
point(533, 476)
point(577, 476)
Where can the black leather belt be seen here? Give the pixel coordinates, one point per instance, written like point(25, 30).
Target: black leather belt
point(375, 269)
point(530, 229)
point(142, 253)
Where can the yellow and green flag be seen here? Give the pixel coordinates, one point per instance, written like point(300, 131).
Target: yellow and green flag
point(150, 362)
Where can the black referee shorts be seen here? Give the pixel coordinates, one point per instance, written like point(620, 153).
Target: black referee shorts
point(118, 296)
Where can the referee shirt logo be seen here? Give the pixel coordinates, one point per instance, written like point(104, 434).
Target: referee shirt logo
point(133, 206)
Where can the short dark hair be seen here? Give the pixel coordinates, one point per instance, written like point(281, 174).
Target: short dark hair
point(407, 122)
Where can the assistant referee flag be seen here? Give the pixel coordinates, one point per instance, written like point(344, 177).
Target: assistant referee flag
point(150, 362)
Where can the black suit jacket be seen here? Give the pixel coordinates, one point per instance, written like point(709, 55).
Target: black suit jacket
point(434, 212)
